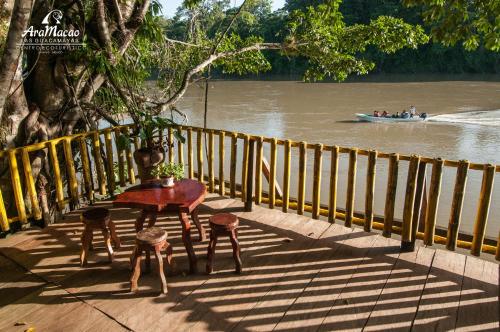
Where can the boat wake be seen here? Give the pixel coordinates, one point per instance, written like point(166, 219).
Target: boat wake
point(484, 118)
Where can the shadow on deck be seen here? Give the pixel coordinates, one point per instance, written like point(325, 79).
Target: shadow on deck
point(299, 274)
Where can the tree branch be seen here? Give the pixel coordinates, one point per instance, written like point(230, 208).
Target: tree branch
point(119, 16)
point(211, 59)
point(103, 30)
point(132, 25)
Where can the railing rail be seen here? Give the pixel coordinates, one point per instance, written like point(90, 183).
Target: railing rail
point(105, 166)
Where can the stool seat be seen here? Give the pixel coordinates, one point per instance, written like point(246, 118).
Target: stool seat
point(95, 214)
point(226, 220)
point(151, 235)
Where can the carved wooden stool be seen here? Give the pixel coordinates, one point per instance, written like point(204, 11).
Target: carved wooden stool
point(150, 239)
point(223, 224)
point(98, 219)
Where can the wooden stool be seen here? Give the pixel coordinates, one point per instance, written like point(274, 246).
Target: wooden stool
point(223, 224)
point(150, 239)
point(98, 219)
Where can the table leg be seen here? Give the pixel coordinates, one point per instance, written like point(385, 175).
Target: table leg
point(186, 238)
point(199, 226)
point(139, 222)
point(152, 219)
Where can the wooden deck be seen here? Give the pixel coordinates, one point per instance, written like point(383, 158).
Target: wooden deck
point(299, 274)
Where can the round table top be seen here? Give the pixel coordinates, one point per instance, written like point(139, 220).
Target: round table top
point(186, 194)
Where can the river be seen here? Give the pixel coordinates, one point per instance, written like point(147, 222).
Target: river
point(464, 124)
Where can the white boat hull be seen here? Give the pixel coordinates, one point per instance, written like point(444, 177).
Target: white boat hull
point(369, 118)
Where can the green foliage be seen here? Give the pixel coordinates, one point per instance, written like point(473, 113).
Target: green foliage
point(472, 22)
point(243, 63)
point(333, 48)
point(317, 33)
point(151, 125)
point(169, 170)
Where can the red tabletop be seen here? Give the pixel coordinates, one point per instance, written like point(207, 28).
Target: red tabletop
point(184, 196)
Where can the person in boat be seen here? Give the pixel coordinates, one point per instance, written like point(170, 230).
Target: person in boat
point(405, 115)
point(395, 115)
point(385, 114)
point(413, 111)
point(376, 114)
point(423, 115)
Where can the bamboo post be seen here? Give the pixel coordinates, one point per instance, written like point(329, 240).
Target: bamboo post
point(418, 203)
point(232, 170)
point(244, 168)
point(87, 175)
point(332, 199)
point(130, 165)
point(433, 202)
point(390, 199)
point(302, 177)
point(210, 157)
point(70, 167)
point(411, 185)
point(190, 153)
point(110, 161)
point(30, 183)
point(4, 221)
point(180, 149)
point(286, 175)
point(57, 175)
point(351, 187)
point(316, 201)
point(272, 174)
point(121, 157)
point(483, 209)
point(222, 184)
point(170, 144)
point(199, 154)
point(249, 189)
point(258, 170)
point(497, 256)
point(96, 148)
point(370, 190)
point(456, 205)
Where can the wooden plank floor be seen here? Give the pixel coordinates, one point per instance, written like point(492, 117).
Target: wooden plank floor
point(299, 275)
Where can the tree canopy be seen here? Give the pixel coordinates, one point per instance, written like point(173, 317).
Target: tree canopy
point(471, 22)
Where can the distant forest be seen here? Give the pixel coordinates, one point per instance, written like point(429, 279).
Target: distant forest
point(258, 19)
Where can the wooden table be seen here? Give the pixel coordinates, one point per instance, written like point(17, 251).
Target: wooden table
point(153, 199)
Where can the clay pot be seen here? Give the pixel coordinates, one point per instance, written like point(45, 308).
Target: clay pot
point(167, 182)
point(146, 160)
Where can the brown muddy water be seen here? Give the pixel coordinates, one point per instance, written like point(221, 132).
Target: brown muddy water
point(464, 124)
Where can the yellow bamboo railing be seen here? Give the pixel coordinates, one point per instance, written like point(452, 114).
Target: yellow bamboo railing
point(96, 175)
point(222, 184)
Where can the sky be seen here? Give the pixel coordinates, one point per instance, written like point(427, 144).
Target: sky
point(170, 6)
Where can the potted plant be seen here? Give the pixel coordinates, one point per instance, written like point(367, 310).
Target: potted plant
point(151, 152)
point(167, 173)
